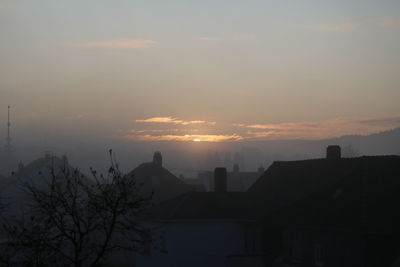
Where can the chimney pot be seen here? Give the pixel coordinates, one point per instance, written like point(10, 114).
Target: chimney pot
point(157, 158)
point(333, 152)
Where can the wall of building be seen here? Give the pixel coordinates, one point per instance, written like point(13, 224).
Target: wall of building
point(201, 244)
point(323, 247)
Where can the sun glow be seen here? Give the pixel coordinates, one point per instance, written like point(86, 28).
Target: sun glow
point(196, 140)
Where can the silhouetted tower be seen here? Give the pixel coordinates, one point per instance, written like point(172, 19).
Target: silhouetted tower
point(7, 162)
point(8, 138)
point(157, 158)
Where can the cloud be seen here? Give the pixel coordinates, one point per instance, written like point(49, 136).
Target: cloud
point(390, 23)
point(207, 38)
point(221, 39)
point(31, 115)
point(77, 117)
point(134, 131)
point(173, 121)
point(320, 130)
point(345, 27)
point(158, 119)
point(186, 137)
point(119, 43)
point(157, 129)
point(388, 121)
point(242, 38)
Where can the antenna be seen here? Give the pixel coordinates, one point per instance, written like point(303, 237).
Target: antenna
point(8, 139)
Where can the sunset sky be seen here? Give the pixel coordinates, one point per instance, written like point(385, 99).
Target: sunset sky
point(191, 70)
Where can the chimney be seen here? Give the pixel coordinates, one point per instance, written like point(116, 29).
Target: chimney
point(220, 184)
point(333, 152)
point(157, 158)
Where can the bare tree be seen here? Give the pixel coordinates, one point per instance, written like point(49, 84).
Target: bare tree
point(77, 221)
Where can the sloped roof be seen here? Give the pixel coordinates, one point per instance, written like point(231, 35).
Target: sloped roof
point(352, 192)
point(158, 179)
point(359, 203)
point(204, 206)
point(303, 190)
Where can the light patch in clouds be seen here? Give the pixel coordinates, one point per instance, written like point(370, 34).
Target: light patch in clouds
point(186, 137)
point(345, 27)
point(390, 23)
point(173, 121)
point(158, 119)
point(134, 131)
point(119, 43)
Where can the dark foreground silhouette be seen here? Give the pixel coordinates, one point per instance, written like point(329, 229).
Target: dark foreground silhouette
point(322, 212)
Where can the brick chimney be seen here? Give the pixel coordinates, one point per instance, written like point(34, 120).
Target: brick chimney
point(220, 180)
point(333, 152)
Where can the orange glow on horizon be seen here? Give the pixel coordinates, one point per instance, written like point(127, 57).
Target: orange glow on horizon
point(186, 137)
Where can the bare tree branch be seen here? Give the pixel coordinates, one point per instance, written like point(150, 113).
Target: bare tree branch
point(77, 221)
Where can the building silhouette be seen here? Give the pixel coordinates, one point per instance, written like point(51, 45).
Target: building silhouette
point(213, 229)
point(158, 180)
point(331, 211)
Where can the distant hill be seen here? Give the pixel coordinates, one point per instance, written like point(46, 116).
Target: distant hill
point(383, 143)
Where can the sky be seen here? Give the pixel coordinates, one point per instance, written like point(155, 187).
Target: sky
point(156, 70)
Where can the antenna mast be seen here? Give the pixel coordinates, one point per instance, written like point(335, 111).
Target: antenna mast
point(8, 139)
